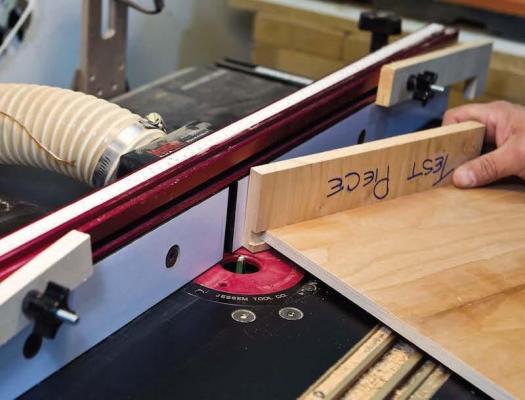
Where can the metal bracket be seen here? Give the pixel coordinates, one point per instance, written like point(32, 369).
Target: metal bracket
point(467, 62)
point(102, 70)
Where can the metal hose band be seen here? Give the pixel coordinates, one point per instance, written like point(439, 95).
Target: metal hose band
point(107, 164)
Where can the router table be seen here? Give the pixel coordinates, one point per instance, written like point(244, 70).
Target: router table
point(193, 332)
point(177, 307)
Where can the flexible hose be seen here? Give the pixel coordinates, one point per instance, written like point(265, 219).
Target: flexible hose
point(68, 132)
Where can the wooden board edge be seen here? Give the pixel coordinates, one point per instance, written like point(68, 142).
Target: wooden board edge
point(429, 346)
point(254, 243)
point(252, 239)
point(433, 133)
point(441, 53)
point(67, 262)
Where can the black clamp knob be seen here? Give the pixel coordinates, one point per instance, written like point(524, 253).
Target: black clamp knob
point(423, 86)
point(381, 24)
point(49, 310)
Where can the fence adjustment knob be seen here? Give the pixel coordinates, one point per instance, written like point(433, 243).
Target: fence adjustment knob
point(423, 86)
point(381, 24)
point(48, 310)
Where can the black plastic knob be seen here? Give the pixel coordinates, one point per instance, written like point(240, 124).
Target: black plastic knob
point(49, 310)
point(381, 24)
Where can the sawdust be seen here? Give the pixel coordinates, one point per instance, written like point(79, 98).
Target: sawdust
point(380, 373)
point(363, 351)
point(349, 364)
point(432, 384)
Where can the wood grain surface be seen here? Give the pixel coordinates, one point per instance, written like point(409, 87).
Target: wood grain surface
point(307, 187)
point(445, 268)
point(67, 262)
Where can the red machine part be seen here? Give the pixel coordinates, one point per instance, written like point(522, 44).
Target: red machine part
point(174, 190)
point(272, 273)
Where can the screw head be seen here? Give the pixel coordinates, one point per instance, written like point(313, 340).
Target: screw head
point(291, 313)
point(243, 316)
point(309, 287)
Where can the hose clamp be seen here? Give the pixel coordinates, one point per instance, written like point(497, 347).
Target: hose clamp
point(107, 164)
point(154, 120)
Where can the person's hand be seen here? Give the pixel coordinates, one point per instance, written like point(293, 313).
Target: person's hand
point(505, 127)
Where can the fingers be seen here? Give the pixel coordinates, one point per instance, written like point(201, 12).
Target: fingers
point(486, 169)
point(469, 112)
point(504, 124)
point(493, 115)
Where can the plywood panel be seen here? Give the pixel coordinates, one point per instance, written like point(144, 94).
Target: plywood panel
point(357, 44)
point(295, 62)
point(445, 268)
point(307, 187)
point(506, 78)
point(311, 14)
point(298, 34)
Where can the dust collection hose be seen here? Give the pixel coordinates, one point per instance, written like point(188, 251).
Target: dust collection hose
point(68, 132)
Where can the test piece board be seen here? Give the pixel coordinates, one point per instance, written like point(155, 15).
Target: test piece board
point(443, 267)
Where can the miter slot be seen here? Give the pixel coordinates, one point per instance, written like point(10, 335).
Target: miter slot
point(424, 383)
point(347, 371)
point(380, 366)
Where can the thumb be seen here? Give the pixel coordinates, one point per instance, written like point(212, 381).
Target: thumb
point(485, 169)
